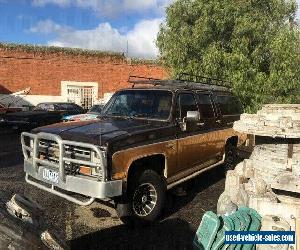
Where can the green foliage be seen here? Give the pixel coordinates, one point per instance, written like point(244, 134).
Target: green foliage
point(63, 50)
point(145, 61)
point(252, 43)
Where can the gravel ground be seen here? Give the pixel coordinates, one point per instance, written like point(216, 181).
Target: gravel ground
point(97, 226)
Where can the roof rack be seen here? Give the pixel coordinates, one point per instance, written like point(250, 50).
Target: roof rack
point(184, 81)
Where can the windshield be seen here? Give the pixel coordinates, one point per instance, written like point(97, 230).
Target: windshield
point(96, 109)
point(150, 104)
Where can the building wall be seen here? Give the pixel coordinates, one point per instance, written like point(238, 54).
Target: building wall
point(44, 72)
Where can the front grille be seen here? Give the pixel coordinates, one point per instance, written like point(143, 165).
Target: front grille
point(49, 150)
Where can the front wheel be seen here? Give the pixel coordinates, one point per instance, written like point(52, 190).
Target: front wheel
point(147, 196)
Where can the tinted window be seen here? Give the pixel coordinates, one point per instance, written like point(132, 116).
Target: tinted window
point(45, 106)
point(62, 106)
point(68, 107)
point(229, 105)
point(205, 104)
point(186, 102)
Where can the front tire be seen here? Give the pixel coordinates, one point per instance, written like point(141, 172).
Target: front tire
point(147, 196)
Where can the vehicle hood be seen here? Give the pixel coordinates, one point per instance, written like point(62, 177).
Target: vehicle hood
point(100, 131)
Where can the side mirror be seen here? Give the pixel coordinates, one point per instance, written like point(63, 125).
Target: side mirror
point(191, 116)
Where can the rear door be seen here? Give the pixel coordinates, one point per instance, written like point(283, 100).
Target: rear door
point(229, 108)
point(208, 130)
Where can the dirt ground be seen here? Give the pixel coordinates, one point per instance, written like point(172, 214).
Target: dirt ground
point(97, 226)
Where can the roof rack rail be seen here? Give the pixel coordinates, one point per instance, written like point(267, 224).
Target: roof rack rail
point(185, 81)
point(204, 79)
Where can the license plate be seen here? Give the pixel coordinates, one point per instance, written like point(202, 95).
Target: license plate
point(50, 175)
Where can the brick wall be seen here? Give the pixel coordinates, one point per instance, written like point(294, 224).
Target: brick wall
point(43, 72)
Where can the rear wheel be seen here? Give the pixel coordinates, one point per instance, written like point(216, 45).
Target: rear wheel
point(230, 157)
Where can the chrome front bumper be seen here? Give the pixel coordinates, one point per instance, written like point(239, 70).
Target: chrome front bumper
point(88, 186)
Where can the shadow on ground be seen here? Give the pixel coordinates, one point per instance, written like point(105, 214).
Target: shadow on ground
point(193, 187)
point(172, 232)
point(179, 222)
point(167, 234)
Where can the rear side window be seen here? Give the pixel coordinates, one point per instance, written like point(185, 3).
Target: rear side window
point(62, 106)
point(186, 102)
point(45, 106)
point(229, 105)
point(68, 107)
point(205, 105)
point(72, 107)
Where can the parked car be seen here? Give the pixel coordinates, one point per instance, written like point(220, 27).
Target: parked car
point(4, 109)
point(92, 114)
point(146, 141)
point(43, 114)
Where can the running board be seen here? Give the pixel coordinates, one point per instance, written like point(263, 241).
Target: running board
point(173, 184)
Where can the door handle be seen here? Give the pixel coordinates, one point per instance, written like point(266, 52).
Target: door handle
point(200, 123)
point(218, 121)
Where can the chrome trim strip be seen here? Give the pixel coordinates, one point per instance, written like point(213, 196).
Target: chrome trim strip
point(173, 184)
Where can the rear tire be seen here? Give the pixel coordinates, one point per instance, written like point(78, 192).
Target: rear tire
point(230, 157)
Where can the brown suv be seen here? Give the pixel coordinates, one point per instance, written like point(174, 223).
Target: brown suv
point(147, 140)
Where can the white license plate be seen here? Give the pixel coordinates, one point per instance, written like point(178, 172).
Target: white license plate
point(50, 175)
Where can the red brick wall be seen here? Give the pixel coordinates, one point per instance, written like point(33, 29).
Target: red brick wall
point(43, 72)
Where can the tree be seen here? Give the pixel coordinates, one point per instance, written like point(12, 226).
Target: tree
point(252, 43)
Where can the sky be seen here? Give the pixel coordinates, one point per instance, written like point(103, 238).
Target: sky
point(108, 25)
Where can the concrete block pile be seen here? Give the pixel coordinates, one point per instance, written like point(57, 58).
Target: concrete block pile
point(269, 181)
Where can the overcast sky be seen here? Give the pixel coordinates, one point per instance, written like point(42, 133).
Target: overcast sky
point(107, 25)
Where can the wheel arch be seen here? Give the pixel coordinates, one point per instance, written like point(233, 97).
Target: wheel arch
point(156, 162)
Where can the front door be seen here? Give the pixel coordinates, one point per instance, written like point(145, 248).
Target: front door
point(196, 145)
point(189, 153)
